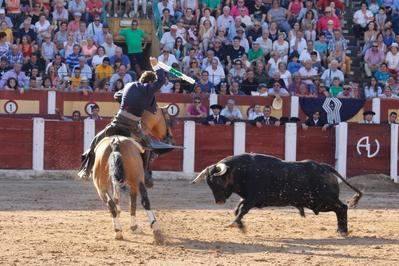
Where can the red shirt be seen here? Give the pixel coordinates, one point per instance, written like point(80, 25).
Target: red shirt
point(235, 11)
point(322, 25)
point(93, 6)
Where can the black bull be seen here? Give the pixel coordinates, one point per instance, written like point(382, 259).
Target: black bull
point(262, 181)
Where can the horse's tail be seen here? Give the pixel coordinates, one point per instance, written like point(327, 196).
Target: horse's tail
point(115, 162)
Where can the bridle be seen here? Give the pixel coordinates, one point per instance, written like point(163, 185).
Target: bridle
point(168, 123)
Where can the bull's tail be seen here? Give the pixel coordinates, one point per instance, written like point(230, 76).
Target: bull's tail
point(355, 199)
point(115, 162)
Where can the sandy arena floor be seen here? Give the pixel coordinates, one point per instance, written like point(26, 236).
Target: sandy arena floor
point(63, 222)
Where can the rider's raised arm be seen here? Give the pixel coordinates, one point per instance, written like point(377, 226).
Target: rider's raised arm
point(118, 96)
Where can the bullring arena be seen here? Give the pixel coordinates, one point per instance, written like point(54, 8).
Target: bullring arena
point(61, 221)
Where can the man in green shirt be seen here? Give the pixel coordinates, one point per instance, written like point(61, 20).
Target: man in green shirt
point(255, 52)
point(136, 42)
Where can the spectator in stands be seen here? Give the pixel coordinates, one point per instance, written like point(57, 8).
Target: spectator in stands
point(260, 73)
point(60, 14)
point(331, 72)
point(85, 69)
point(225, 20)
point(373, 89)
point(205, 84)
point(361, 18)
point(309, 24)
point(5, 18)
point(18, 74)
point(315, 121)
point(98, 57)
point(382, 74)
point(249, 84)
point(12, 85)
point(196, 109)
point(235, 51)
point(346, 92)
point(388, 93)
point(279, 15)
point(392, 82)
point(262, 90)
point(235, 89)
point(392, 59)
point(206, 34)
point(75, 80)
point(121, 74)
point(307, 72)
point(367, 117)
point(27, 30)
point(4, 67)
point(216, 72)
point(166, 57)
point(85, 87)
point(88, 48)
point(76, 6)
point(237, 72)
point(235, 10)
point(231, 111)
point(373, 58)
point(266, 119)
point(104, 71)
point(73, 59)
point(323, 21)
point(103, 86)
point(109, 45)
point(216, 118)
point(48, 49)
point(42, 27)
point(95, 29)
point(81, 34)
point(74, 25)
point(336, 87)
point(321, 90)
point(277, 90)
point(124, 59)
point(15, 55)
point(60, 68)
point(179, 49)
point(393, 116)
point(8, 31)
point(255, 112)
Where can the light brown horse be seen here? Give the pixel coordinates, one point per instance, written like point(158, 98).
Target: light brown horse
point(119, 162)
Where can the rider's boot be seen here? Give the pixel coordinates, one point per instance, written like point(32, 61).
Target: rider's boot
point(87, 164)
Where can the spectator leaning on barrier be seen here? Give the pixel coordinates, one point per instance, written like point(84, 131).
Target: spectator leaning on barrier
point(231, 111)
point(216, 118)
point(266, 119)
point(16, 73)
point(315, 121)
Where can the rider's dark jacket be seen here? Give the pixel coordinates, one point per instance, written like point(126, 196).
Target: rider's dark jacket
point(139, 97)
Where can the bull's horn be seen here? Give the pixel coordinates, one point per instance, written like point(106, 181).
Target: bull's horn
point(200, 176)
point(222, 167)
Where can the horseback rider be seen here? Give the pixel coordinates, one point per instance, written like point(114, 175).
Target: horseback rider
point(135, 98)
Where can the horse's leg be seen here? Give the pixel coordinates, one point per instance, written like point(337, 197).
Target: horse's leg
point(133, 203)
point(145, 201)
point(115, 217)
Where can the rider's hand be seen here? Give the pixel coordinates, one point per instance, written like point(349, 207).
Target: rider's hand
point(153, 61)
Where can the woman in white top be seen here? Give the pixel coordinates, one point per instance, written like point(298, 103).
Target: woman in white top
point(68, 45)
point(285, 75)
point(42, 27)
point(373, 89)
point(207, 16)
point(392, 59)
point(206, 34)
point(281, 46)
point(99, 57)
point(272, 64)
point(361, 18)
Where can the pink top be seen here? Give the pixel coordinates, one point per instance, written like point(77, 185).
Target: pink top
point(295, 8)
point(193, 111)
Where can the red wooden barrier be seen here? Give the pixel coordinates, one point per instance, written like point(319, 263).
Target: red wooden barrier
point(16, 144)
point(267, 140)
point(315, 144)
point(212, 143)
point(366, 162)
point(63, 145)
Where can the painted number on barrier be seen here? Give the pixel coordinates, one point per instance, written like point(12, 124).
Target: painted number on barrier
point(88, 108)
point(364, 143)
point(10, 107)
point(173, 109)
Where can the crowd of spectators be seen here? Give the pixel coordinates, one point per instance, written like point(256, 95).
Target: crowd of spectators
point(230, 47)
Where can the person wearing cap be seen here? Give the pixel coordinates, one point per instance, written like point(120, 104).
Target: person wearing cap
point(76, 7)
point(135, 98)
point(216, 118)
point(361, 18)
point(169, 38)
point(266, 119)
point(367, 117)
point(74, 25)
point(324, 20)
point(5, 18)
point(84, 86)
point(231, 111)
point(392, 59)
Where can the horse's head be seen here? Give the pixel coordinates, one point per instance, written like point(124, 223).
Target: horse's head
point(159, 125)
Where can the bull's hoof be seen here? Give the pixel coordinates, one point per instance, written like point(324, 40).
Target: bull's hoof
point(342, 233)
point(136, 229)
point(118, 235)
point(158, 237)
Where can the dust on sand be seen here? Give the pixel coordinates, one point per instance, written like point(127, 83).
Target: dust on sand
point(63, 222)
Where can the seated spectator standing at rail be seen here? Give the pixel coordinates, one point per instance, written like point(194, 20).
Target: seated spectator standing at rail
point(315, 121)
point(266, 119)
point(216, 118)
point(231, 111)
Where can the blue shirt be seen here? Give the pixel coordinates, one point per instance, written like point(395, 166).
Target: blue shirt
point(72, 60)
point(293, 67)
point(124, 60)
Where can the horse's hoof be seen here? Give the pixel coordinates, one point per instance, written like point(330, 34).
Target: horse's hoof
point(136, 229)
point(118, 235)
point(158, 237)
